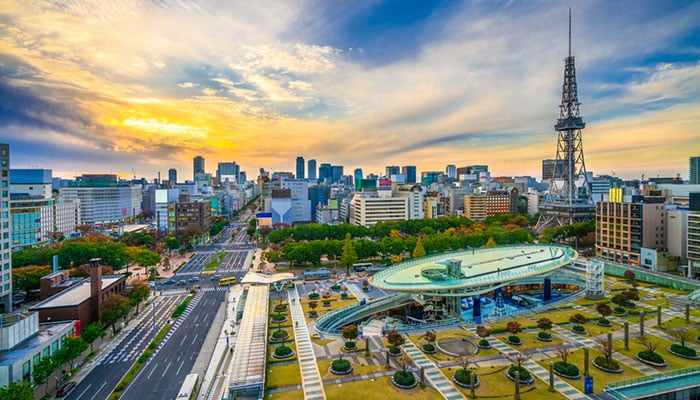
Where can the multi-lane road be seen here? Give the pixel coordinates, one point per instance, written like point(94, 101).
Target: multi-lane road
point(174, 358)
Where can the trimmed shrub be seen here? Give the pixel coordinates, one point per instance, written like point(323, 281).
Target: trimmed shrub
point(604, 321)
point(484, 343)
point(340, 365)
point(463, 377)
point(343, 295)
point(394, 350)
point(611, 364)
point(404, 379)
point(567, 370)
point(429, 347)
point(684, 351)
point(544, 335)
point(524, 374)
point(314, 295)
point(280, 307)
point(514, 339)
point(335, 287)
point(279, 317)
point(281, 334)
point(619, 310)
point(349, 345)
point(651, 357)
point(283, 351)
point(365, 288)
point(579, 329)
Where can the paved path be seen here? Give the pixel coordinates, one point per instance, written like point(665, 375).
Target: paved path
point(432, 373)
point(312, 384)
point(356, 291)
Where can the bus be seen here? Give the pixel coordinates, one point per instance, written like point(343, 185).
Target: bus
point(359, 267)
point(227, 281)
point(188, 390)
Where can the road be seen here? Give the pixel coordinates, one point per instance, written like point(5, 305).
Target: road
point(111, 368)
point(163, 375)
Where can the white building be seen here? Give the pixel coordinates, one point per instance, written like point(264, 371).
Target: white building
point(367, 210)
point(103, 199)
point(5, 227)
point(415, 194)
point(300, 203)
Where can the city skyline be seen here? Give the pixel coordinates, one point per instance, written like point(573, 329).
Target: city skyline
point(110, 87)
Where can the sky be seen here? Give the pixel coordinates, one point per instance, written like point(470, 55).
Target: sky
point(129, 86)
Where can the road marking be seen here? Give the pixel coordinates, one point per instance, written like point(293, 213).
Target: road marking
point(178, 368)
point(152, 371)
point(183, 340)
point(81, 394)
point(166, 370)
point(195, 338)
point(98, 391)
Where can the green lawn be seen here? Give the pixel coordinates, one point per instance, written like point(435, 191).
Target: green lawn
point(600, 378)
point(674, 362)
point(529, 341)
point(283, 375)
point(495, 385)
point(562, 316)
point(676, 323)
point(377, 389)
point(271, 350)
point(289, 395)
point(358, 369)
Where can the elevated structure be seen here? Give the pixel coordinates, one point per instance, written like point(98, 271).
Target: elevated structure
point(569, 199)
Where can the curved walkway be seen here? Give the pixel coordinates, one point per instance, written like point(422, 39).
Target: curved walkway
point(432, 373)
point(310, 376)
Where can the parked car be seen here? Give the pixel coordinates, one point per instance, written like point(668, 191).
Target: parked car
point(215, 277)
point(65, 388)
point(194, 279)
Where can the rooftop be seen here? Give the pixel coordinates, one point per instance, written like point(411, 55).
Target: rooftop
point(46, 333)
point(75, 295)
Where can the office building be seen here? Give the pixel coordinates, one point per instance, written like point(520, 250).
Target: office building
point(281, 206)
point(392, 170)
point(325, 173)
point(694, 169)
point(102, 198)
point(475, 207)
point(454, 200)
point(336, 173)
point(693, 253)
point(550, 167)
point(5, 230)
point(368, 209)
point(299, 196)
point(451, 171)
point(300, 168)
point(172, 176)
point(414, 193)
point(197, 166)
point(427, 178)
point(623, 229)
point(185, 215)
point(409, 173)
point(312, 169)
point(318, 197)
point(227, 171)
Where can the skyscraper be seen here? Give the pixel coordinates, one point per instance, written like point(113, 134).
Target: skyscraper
point(6, 247)
point(358, 176)
point(172, 176)
point(197, 166)
point(695, 170)
point(227, 170)
point(336, 173)
point(451, 171)
point(312, 169)
point(300, 168)
point(325, 174)
point(569, 199)
point(392, 170)
point(409, 172)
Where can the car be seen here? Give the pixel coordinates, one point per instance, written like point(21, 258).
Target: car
point(169, 281)
point(194, 279)
point(181, 282)
point(64, 389)
point(215, 277)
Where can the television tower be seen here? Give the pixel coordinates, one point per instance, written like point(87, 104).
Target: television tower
point(569, 198)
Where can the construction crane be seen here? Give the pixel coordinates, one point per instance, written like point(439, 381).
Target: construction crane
point(133, 171)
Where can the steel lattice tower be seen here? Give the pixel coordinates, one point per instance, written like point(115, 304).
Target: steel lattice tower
point(569, 198)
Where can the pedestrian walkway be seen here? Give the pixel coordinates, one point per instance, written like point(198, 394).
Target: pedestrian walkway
point(432, 373)
point(561, 386)
point(355, 291)
point(310, 376)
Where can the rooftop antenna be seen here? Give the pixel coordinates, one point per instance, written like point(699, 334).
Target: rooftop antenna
point(569, 31)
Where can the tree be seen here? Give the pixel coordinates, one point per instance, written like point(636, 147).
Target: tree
point(74, 347)
point(430, 336)
point(349, 256)
point(91, 332)
point(606, 349)
point(490, 242)
point(147, 258)
point(649, 345)
point(514, 327)
point(418, 251)
point(465, 359)
point(578, 319)
point(43, 369)
point(27, 278)
point(563, 351)
point(483, 331)
point(404, 361)
point(312, 306)
point(166, 263)
point(545, 324)
point(113, 309)
point(172, 243)
point(137, 293)
point(603, 309)
point(20, 390)
point(682, 335)
point(395, 339)
point(350, 333)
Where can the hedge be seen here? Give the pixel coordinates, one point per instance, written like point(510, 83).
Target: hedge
point(568, 370)
point(404, 379)
point(684, 351)
point(652, 357)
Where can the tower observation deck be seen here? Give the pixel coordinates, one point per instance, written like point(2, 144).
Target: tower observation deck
point(569, 197)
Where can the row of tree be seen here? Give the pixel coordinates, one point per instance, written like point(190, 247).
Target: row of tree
point(365, 249)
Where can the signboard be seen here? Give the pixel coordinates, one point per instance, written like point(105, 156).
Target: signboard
point(588, 385)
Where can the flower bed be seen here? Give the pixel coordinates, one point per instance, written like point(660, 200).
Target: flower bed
point(483, 344)
point(578, 329)
point(569, 371)
point(652, 359)
point(525, 376)
point(682, 351)
point(463, 379)
point(341, 367)
point(544, 336)
point(279, 318)
point(283, 352)
point(612, 366)
point(279, 335)
point(280, 307)
point(514, 340)
point(404, 381)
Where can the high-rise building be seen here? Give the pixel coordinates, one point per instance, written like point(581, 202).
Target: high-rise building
point(569, 198)
point(227, 170)
point(197, 166)
point(427, 178)
point(325, 173)
point(357, 176)
point(551, 167)
point(694, 170)
point(5, 229)
point(392, 170)
point(336, 173)
point(300, 168)
point(312, 169)
point(409, 172)
point(367, 210)
point(451, 171)
point(172, 176)
point(103, 199)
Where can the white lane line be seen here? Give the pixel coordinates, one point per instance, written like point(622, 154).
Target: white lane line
point(152, 371)
point(98, 391)
point(81, 394)
point(166, 370)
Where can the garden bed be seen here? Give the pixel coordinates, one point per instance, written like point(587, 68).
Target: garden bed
point(605, 369)
point(686, 356)
point(529, 380)
point(402, 381)
point(340, 367)
point(468, 378)
point(662, 364)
